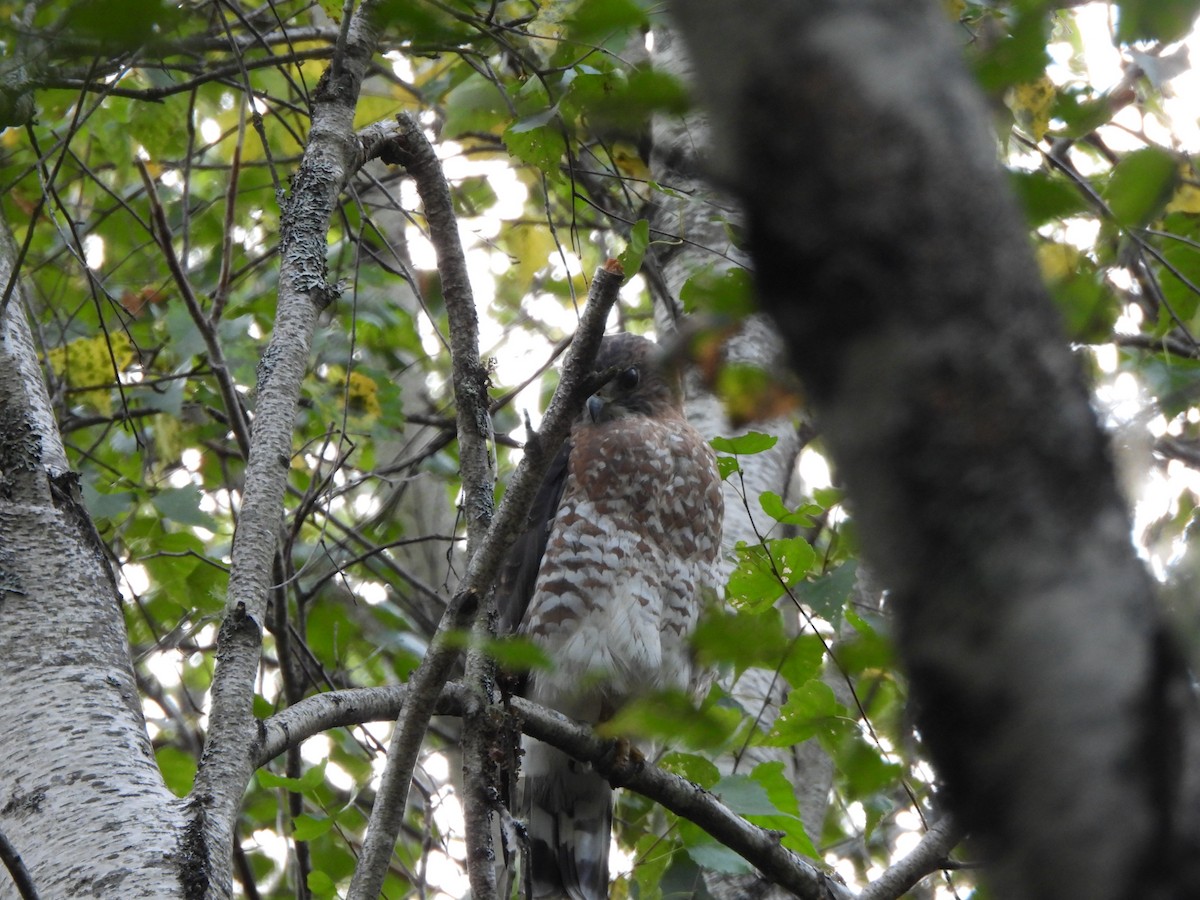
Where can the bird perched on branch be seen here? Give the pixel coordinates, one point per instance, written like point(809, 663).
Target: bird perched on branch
point(609, 579)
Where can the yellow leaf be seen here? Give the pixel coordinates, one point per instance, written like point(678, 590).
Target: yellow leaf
point(1031, 104)
point(1057, 261)
point(1187, 197)
point(529, 247)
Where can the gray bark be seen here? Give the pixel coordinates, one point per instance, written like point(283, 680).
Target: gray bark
point(898, 270)
point(332, 155)
point(81, 798)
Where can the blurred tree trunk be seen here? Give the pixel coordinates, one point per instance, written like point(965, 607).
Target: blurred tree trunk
point(898, 269)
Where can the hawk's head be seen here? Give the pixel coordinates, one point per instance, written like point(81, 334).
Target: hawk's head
point(645, 383)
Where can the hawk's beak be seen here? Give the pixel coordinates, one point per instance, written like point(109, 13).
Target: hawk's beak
point(595, 408)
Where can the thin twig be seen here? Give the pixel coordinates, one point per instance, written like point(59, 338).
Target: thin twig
point(16, 868)
point(216, 356)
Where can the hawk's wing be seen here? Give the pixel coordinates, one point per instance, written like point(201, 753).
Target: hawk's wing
point(519, 573)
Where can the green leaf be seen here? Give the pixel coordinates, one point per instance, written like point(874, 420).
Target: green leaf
point(742, 639)
point(774, 507)
point(726, 466)
point(1021, 56)
point(628, 102)
point(827, 595)
point(782, 795)
point(1174, 381)
point(726, 293)
point(598, 18)
point(119, 25)
point(865, 769)
point(1180, 275)
point(321, 885)
point(745, 445)
point(809, 710)
point(307, 828)
point(475, 105)
point(541, 146)
point(1046, 199)
point(708, 852)
point(306, 782)
point(635, 251)
point(654, 857)
point(744, 796)
point(765, 570)
point(1140, 186)
point(182, 505)
point(516, 654)
point(672, 715)
point(474, 196)
point(804, 659)
point(1162, 21)
point(421, 23)
point(1087, 303)
point(695, 768)
point(1081, 113)
point(178, 769)
point(868, 649)
point(533, 122)
point(103, 505)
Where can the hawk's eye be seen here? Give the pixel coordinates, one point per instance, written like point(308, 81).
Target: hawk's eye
point(629, 379)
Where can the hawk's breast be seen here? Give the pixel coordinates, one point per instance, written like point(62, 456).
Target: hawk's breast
point(630, 558)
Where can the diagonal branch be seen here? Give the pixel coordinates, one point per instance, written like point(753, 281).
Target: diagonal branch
point(426, 683)
point(161, 230)
point(928, 856)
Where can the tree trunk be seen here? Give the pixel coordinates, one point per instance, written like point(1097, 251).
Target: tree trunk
point(898, 269)
point(81, 797)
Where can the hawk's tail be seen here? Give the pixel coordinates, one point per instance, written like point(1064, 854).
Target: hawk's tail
point(569, 810)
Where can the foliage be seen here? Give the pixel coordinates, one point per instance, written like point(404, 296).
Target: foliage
point(538, 112)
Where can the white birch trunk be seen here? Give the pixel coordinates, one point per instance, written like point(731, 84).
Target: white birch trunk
point(81, 797)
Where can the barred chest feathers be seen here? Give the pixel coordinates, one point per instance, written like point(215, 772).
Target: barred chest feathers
point(635, 541)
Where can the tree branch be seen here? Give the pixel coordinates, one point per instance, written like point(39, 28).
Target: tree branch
point(16, 869)
point(161, 231)
point(928, 856)
point(757, 845)
point(474, 428)
point(330, 158)
point(897, 265)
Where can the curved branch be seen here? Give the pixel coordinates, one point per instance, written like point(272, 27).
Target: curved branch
point(474, 429)
point(928, 856)
point(16, 869)
point(411, 149)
